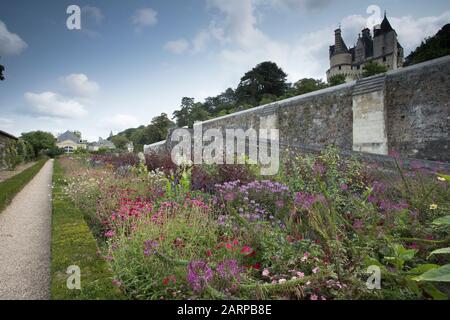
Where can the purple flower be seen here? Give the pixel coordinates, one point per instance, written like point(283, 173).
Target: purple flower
point(229, 197)
point(149, 247)
point(199, 274)
point(319, 168)
point(344, 187)
point(279, 203)
point(304, 199)
point(229, 270)
point(357, 224)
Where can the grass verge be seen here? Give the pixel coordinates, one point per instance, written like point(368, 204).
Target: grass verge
point(74, 245)
point(12, 186)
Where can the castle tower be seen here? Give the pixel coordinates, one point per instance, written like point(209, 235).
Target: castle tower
point(340, 57)
point(383, 48)
point(387, 49)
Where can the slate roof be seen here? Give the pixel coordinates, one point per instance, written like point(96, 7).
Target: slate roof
point(68, 135)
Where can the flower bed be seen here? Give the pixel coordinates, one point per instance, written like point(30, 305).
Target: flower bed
point(311, 232)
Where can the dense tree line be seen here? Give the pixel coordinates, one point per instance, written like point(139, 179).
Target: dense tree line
point(432, 48)
point(264, 84)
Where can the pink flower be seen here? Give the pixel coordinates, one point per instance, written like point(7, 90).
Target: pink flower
point(110, 234)
point(116, 283)
point(301, 275)
point(315, 270)
point(265, 272)
point(246, 249)
point(313, 297)
point(305, 257)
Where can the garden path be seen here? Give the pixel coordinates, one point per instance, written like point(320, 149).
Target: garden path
point(25, 234)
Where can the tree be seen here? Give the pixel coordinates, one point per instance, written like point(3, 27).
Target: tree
point(120, 141)
point(372, 68)
point(158, 128)
point(265, 78)
point(432, 48)
point(336, 80)
point(182, 115)
point(308, 85)
point(39, 140)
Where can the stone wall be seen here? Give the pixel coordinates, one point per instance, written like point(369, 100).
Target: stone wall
point(418, 105)
point(406, 110)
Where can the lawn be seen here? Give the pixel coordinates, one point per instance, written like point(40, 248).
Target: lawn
point(74, 245)
point(12, 186)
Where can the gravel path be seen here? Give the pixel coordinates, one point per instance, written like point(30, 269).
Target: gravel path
point(25, 233)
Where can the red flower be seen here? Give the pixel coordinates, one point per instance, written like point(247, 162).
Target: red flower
point(256, 266)
point(167, 280)
point(209, 253)
point(235, 242)
point(246, 249)
point(229, 246)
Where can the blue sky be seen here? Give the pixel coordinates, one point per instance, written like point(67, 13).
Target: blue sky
point(132, 60)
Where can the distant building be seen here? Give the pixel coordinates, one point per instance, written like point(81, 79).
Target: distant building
point(130, 147)
point(5, 138)
point(101, 144)
point(70, 141)
point(383, 48)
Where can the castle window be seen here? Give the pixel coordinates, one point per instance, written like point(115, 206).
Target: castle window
point(340, 67)
point(384, 59)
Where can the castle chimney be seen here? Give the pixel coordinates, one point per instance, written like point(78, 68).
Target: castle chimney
point(366, 33)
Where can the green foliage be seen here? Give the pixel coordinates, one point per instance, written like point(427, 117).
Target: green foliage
point(443, 221)
point(372, 68)
point(265, 78)
point(441, 274)
point(54, 152)
point(156, 131)
point(120, 142)
point(337, 80)
point(10, 187)
point(39, 140)
point(73, 244)
point(432, 48)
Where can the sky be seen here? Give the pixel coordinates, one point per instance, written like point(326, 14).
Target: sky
point(133, 60)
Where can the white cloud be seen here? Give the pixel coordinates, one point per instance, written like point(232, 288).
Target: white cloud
point(53, 105)
point(244, 44)
point(78, 84)
point(6, 123)
point(93, 13)
point(298, 4)
point(412, 30)
point(119, 122)
point(145, 17)
point(10, 43)
point(177, 46)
